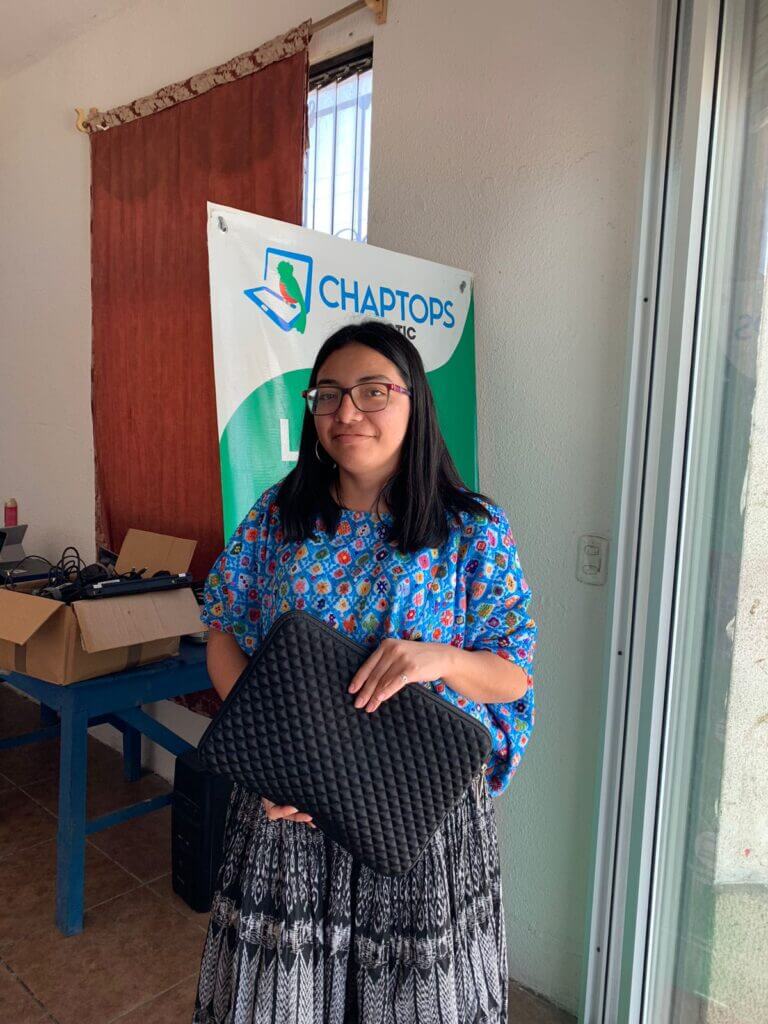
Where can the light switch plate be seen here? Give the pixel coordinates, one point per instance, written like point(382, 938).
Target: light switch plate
point(592, 560)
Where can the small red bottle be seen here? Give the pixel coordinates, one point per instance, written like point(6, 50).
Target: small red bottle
point(11, 512)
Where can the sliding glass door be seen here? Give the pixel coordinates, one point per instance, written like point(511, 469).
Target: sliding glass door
point(679, 926)
point(708, 936)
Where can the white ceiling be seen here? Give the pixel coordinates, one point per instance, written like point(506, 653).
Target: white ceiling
point(33, 28)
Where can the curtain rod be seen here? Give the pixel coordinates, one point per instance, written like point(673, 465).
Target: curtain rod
point(378, 9)
point(273, 50)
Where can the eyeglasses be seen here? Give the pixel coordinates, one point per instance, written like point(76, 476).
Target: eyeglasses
point(372, 396)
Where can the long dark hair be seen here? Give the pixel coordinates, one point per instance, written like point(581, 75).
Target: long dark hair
point(426, 486)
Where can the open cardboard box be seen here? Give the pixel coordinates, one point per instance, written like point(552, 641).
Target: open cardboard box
point(66, 643)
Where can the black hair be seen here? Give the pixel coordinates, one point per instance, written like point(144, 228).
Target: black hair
point(425, 488)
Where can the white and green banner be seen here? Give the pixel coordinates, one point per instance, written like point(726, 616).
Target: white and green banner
point(277, 292)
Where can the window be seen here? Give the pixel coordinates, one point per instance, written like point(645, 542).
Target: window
point(336, 169)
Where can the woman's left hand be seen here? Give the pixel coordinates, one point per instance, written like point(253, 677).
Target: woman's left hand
point(380, 675)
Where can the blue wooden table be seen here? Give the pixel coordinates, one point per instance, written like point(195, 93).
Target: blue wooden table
point(68, 712)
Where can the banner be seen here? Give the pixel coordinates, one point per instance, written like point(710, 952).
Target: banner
point(277, 292)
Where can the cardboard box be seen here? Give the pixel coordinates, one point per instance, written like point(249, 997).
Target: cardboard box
point(66, 643)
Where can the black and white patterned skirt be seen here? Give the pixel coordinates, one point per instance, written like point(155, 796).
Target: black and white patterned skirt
point(427, 947)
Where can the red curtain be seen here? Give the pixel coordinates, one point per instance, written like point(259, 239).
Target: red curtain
point(153, 399)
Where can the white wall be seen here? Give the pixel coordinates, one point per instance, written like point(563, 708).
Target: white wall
point(507, 138)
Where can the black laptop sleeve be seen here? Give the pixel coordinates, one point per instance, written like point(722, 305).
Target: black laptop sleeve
point(379, 784)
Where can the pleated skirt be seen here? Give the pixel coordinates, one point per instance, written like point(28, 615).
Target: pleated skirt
point(300, 933)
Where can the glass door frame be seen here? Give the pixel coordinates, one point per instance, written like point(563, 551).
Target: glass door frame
point(638, 695)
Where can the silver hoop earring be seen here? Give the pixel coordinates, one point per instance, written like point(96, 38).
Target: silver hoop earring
point(319, 459)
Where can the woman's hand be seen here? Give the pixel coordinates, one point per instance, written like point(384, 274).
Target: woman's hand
point(275, 811)
point(380, 675)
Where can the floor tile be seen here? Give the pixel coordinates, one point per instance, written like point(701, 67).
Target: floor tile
point(39, 762)
point(5, 783)
point(18, 714)
point(141, 845)
point(34, 762)
point(132, 949)
point(17, 1006)
point(23, 822)
point(164, 887)
point(527, 1008)
point(28, 888)
point(173, 1007)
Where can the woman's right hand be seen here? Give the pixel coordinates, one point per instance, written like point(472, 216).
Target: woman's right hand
point(275, 811)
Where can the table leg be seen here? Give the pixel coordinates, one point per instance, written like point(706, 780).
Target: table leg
point(70, 841)
point(131, 753)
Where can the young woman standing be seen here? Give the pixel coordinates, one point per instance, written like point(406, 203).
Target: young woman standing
point(374, 533)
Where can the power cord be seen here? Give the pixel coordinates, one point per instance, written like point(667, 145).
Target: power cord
point(68, 577)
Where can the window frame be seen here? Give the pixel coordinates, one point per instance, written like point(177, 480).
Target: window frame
point(354, 62)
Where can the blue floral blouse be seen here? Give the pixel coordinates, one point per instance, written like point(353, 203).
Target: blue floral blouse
point(471, 592)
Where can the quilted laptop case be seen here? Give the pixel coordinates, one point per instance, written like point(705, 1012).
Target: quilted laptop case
point(379, 783)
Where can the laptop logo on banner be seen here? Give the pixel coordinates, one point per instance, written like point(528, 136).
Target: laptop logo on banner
point(286, 293)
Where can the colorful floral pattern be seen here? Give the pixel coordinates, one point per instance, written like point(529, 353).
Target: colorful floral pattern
point(471, 593)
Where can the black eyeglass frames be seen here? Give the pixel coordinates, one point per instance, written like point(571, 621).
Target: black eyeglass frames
point(372, 396)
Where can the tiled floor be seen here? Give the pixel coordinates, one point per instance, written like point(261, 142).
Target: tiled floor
point(527, 1008)
point(137, 959)
point(138, 956)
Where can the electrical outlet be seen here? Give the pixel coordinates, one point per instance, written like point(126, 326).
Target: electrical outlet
point(592, 560)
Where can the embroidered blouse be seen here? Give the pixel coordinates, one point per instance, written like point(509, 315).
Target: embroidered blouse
point(471, 593)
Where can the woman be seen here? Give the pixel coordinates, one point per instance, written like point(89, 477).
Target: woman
point(374, 533)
